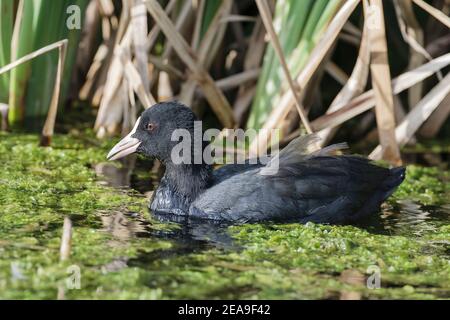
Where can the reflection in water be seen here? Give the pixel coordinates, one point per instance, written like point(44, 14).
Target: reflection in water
point(114, 176)
point(211, 232)
point(408, 217)
point(124, 226)
point(115, 265)
point(355, 279)
point(193, 235)
point(134, 173)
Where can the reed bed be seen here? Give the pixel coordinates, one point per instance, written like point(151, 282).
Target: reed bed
point(253, 64)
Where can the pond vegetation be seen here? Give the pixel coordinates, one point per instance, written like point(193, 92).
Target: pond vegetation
point(297, 66)
point(124, 252)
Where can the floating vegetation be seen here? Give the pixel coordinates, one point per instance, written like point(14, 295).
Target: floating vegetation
point(122, 252)
point(428, 185)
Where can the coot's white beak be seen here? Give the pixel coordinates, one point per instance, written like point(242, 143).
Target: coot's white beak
point(125, 146)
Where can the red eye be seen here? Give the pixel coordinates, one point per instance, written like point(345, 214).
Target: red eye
point(150, 126)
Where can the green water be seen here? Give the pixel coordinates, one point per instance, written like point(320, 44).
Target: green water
point(123, 252)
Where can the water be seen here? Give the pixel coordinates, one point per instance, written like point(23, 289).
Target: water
point(123, 251)
point(404, 218)
point(407, 241)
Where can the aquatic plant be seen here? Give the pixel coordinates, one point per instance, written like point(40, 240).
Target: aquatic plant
point(116, 246)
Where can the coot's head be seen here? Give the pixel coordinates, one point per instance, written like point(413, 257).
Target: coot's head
point(152, 132)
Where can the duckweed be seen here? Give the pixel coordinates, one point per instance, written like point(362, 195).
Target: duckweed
point(119, 252)
point(428, 185)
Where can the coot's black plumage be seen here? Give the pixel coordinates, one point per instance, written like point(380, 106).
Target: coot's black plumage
point(318, 186)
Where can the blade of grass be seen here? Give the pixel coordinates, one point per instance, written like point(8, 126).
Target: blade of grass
point(208, 47)
point(188, 88)
point(137, 83)
point(211, 7)
point(31, 56)
point(183, 17)
point(163, 65)
point(139, 26)
point(381, 82)
point(267, 20)
point(413, 35)
point(198, 24)
point(418, 115)
point(326, 42)
point(21, 44)
point(366, 101)
point(6, 29)
point(47, 131)
point(297, 17)
point(336, 72)
point(215, 97)
point(252, 60)
point(310, 37)
point(434, 12)
point(66, 240)
point(99, 60)
point(437, 119)
point(126, 16)
point(110, 39)
point(212, 38)
point(237, 79)
point(123, 76)
point(287, 101)
point(49, 125)
point(154, 32)
point(38, 94)
point(353, 87)
point(71, 64)
point(109, 113)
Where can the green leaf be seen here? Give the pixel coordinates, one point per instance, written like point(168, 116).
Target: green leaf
point(6, 27)
point(299, 26)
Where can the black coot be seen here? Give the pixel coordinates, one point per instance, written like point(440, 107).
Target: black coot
point(308, 186)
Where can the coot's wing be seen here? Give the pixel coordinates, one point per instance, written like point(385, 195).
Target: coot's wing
point(230, 170)
point(321, 188)
point(306, 147)
point(297, 150)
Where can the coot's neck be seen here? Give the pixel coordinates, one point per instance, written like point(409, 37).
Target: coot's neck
point(188, 180)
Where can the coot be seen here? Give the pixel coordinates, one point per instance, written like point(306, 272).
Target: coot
point(316, 186)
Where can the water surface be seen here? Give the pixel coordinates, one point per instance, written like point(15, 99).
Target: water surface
point(123, 251)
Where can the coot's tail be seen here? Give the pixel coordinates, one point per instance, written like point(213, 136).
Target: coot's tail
point(384, 191)
point(338, 211)
point(396, 177)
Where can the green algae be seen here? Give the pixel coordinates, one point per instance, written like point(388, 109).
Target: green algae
point(294, 261)
point(427, 185)
point(429, 146)
point(39, 186)
point(332, 250)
